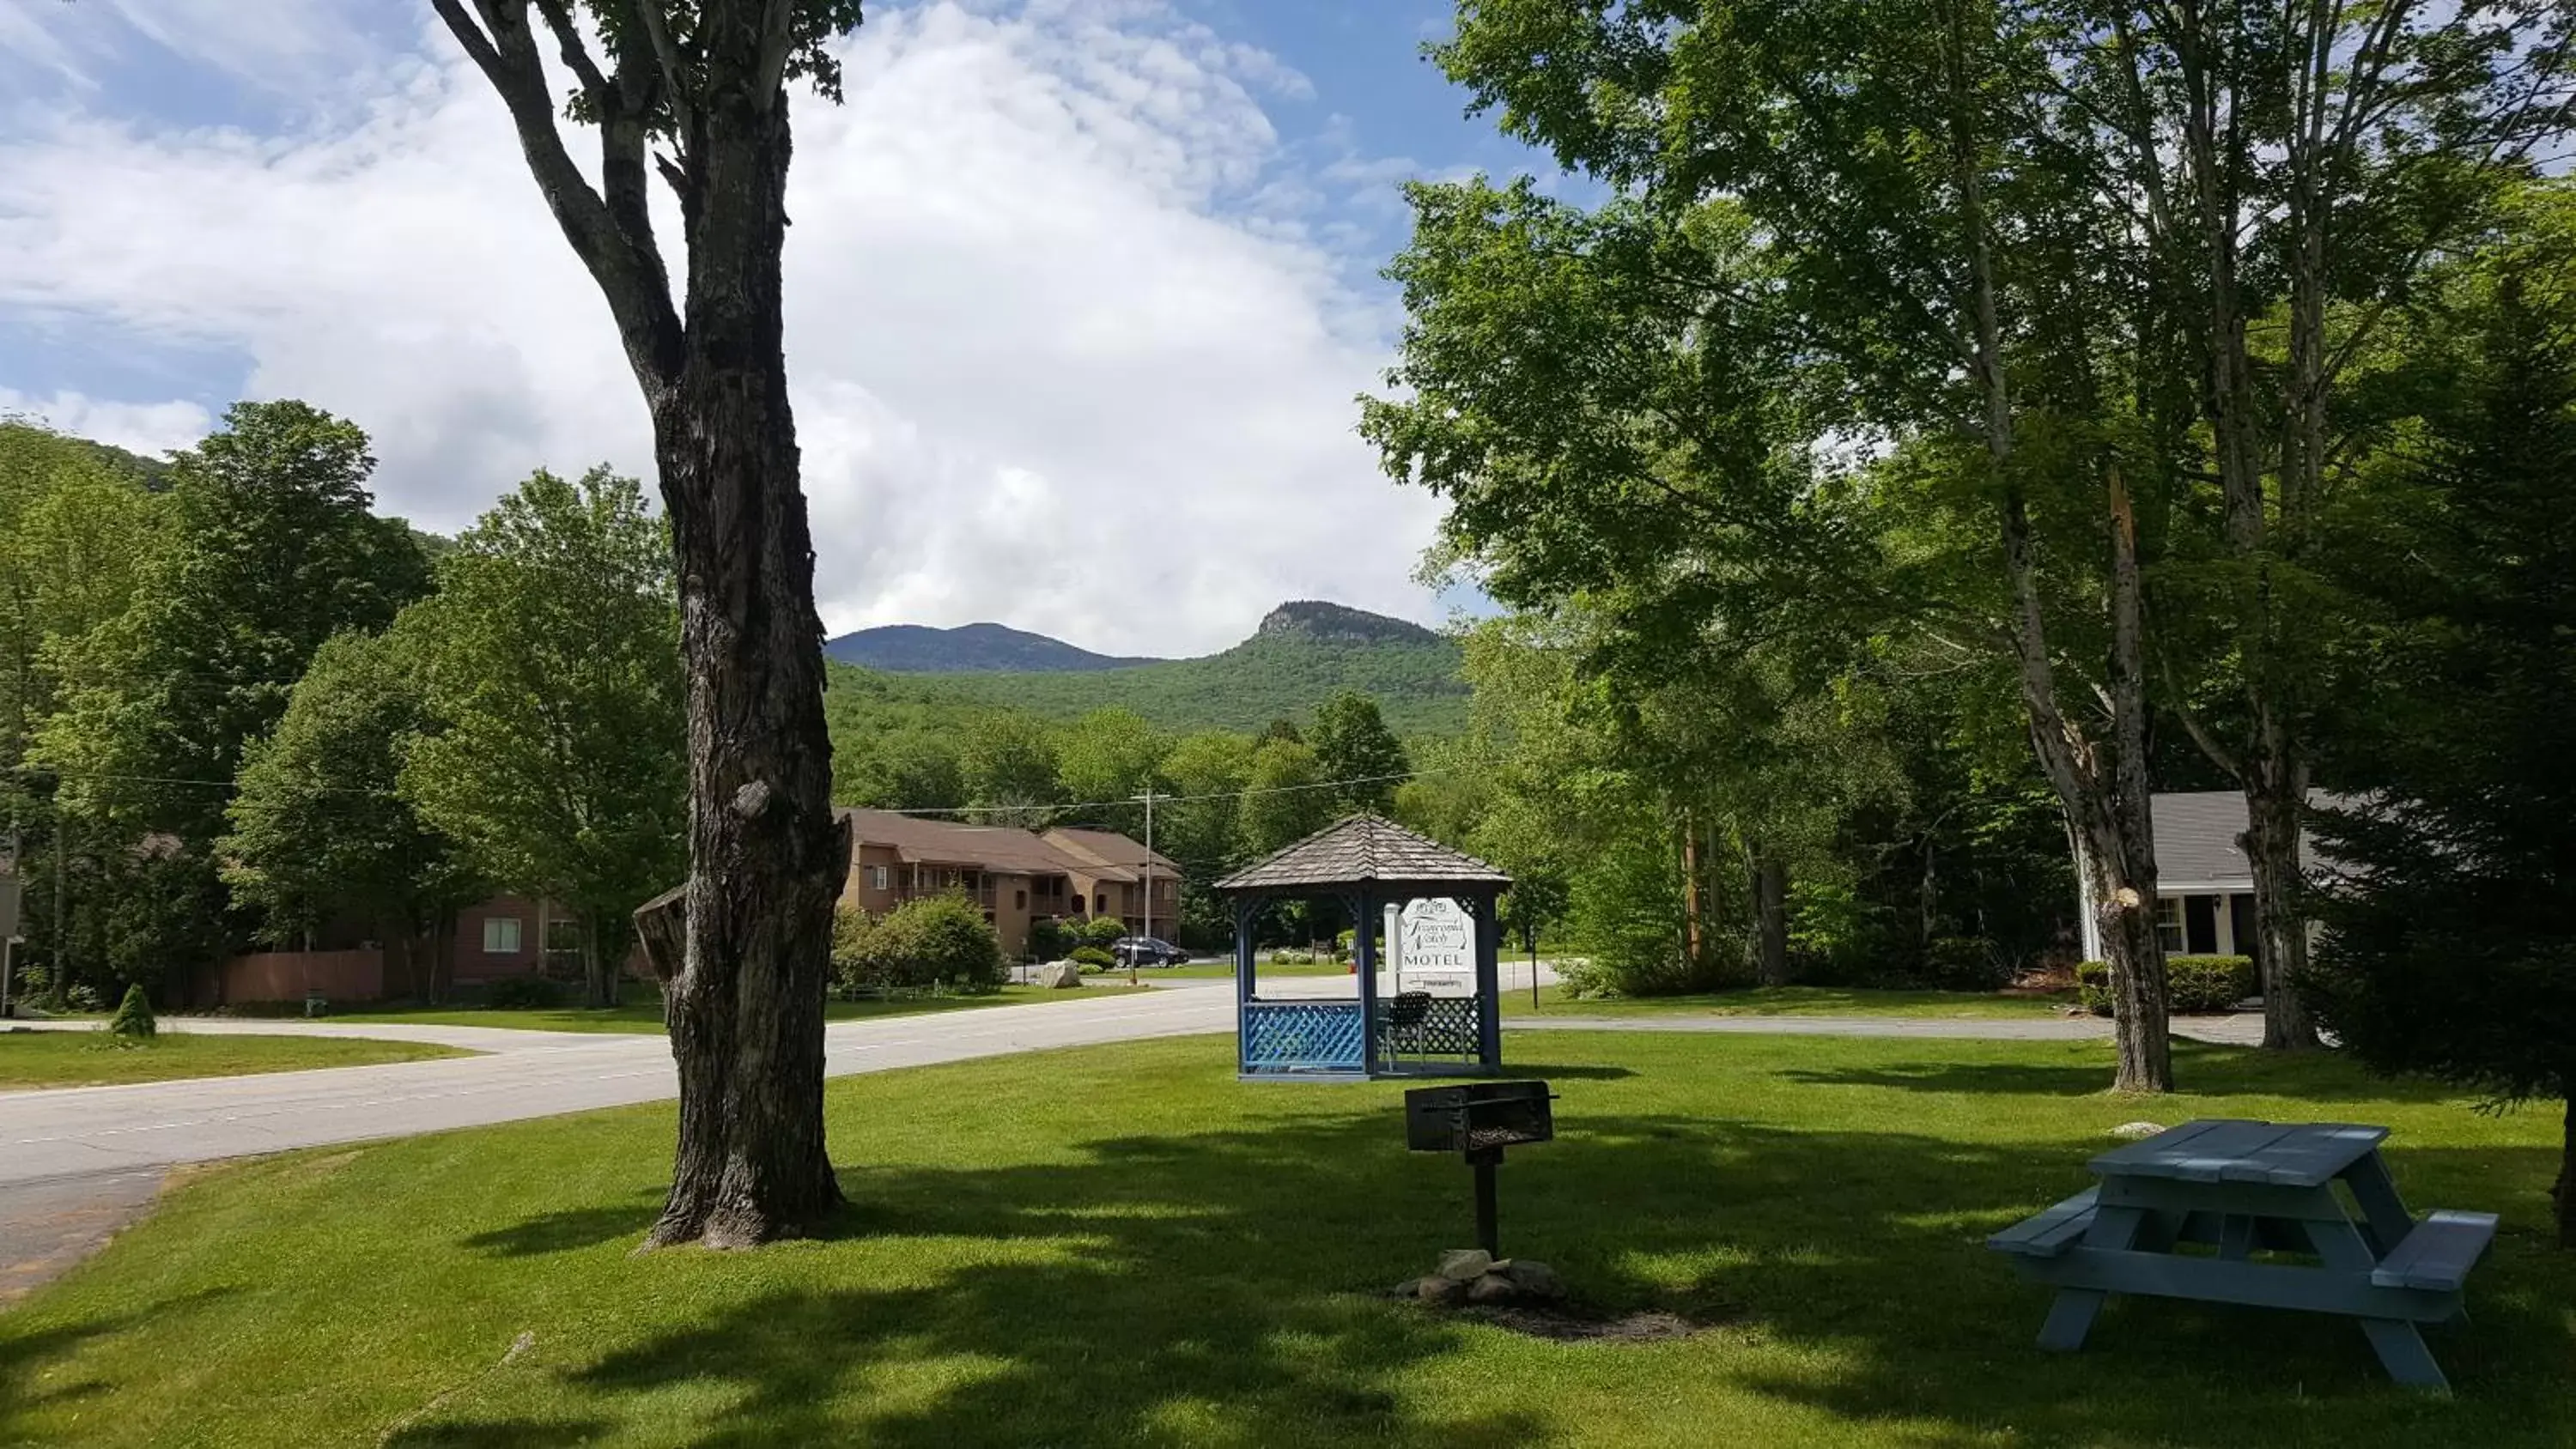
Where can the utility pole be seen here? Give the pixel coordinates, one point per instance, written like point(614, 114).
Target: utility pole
point(1148, 798)
point(9, 920)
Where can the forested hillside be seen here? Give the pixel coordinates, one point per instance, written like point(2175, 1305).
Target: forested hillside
point(1302, 654)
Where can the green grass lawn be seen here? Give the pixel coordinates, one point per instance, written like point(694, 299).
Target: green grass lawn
point(1792, 1001)
point(92, 1059)
point(642, 1010)
point(1124, 1246)
point(1224, 971)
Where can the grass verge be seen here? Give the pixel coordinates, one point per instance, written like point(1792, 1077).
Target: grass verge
point(31, 1059)
point(642, 1010)
point(1205, 1264)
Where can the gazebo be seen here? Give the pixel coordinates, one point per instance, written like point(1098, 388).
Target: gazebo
point(1369, 864)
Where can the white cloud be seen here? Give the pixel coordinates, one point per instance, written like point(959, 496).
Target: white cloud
point(1046, 369)
point(147, 428)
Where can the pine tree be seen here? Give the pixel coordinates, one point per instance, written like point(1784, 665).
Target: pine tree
point(133, 1020)
point(2449, 950)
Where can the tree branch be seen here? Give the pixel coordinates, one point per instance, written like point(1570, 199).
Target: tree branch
point(657, 27)
point(622, 258)
point(776, 41)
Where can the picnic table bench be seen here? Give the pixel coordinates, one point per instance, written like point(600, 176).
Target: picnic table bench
point(2243, 1188)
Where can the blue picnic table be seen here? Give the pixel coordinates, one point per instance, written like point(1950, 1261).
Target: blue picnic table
point(2243, 1188)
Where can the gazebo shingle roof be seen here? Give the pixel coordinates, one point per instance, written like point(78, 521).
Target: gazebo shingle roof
point(1359, 849)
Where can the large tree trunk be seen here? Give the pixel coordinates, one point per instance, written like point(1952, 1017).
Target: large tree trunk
point(1771, 918)
point(2274, 811)
point(766, 861)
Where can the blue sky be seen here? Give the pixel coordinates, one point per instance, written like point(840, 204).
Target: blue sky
point(1080, 289)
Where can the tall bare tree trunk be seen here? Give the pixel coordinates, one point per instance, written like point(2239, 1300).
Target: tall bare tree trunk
point(766, 859)
point(2565, 1190)
point(697, 95)
point(1771, 917)
point(1694, 939)
point(2103, 790)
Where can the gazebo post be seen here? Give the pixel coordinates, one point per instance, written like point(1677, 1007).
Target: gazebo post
point(1489, 982)
point(1246, 970)
point(1364, 950)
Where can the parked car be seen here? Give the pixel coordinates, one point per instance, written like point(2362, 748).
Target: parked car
point(1147, 951)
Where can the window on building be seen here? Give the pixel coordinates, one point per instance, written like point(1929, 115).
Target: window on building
point(1020, 900)
point(2169, 923)
point(500, 935)
point(879, 878)
point(1100, 904)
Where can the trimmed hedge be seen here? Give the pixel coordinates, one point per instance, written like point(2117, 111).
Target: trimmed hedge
point(522, 993)
point(2193, 984)
point(1091, 958)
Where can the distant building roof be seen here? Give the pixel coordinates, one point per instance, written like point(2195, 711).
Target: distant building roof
point(2196, 839)
point(1362, 849)
point(1001, 848)
point(1109, 848)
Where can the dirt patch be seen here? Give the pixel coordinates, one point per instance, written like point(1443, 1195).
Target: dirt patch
point(46, 1227)
point(1565, 1325)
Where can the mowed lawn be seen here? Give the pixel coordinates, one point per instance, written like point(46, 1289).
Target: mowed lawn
point(90, 1059)
point(641, 1011)
point(1124, 1246)
point(1793, 1001)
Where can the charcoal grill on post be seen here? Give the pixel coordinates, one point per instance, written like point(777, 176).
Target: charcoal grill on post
point(1477, 1121)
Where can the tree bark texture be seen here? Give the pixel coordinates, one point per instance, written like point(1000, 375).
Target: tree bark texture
point(766, 859)
point(2102, 784)
point(1771, 918)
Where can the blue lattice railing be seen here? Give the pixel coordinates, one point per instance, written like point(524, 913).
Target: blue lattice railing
point(1443, 1030)
point(1308, 1036)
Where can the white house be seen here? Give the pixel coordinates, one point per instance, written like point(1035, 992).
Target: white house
point(2204, 883)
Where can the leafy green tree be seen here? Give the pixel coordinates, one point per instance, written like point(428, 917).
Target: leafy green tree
point(549, 662)
point(270, 549)
point(900, 769)
point(1010, 767)
point(1109, 755)
point(1284, 799)
point(696, 94)
point(2449, 949)
point(75, 533)
point(318, 828)
point(1352, 744)
point(1201, 827)
point(1842, 240)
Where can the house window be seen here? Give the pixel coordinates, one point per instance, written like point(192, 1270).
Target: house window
point(1020, 900)
point(878, 878)
point(500, 935)
point(1100, 904)
point(2169, 924)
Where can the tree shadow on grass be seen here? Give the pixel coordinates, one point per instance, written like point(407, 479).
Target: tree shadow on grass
point(22, 1352)
point(2201, 1068)
point(1229, 1288)
point(563, 1232)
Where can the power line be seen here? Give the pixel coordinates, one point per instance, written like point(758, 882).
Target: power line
point(108, 775)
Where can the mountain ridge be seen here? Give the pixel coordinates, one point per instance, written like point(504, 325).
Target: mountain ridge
point(981, 648)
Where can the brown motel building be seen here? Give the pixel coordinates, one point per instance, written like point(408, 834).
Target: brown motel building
point(1015, 875)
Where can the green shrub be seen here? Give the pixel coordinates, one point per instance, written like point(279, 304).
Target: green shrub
point(2192, 983)
point(1103, 931)
point(133, 1020)
point(1292, 958)
point(1586, 980)
point(935, 941)
point(82, 998)
point(1092, 958)
point(1965, 963)
point(523, 993)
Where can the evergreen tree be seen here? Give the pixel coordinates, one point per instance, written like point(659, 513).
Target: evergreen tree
point(2449, 949)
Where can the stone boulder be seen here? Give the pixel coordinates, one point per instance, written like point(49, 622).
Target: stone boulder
point(1466, 1264)
point(1492, 1291)
point(1533, 1279)
point(1057, 974)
